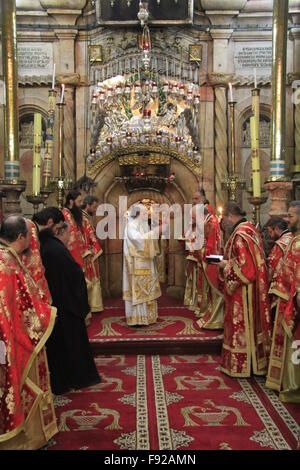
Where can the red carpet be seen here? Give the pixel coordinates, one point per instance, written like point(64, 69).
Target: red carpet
point(176, 327)
point(173, 403)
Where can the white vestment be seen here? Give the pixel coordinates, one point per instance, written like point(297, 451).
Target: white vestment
point(141, 285)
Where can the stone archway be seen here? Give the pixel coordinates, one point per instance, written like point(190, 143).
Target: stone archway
point(108, 190)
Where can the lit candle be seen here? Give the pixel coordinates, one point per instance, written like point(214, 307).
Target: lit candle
point(255, 79)
point(37, 139)
point(220, 210)
point(53, 77)
point(230, 92)
point(62, 93)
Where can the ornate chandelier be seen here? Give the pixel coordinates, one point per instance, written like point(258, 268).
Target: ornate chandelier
point(150, 102)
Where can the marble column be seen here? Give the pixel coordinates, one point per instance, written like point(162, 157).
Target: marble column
point(219, 82)
point(11, 187)
point(67, 76)
point(278, 185)
point(295, 83)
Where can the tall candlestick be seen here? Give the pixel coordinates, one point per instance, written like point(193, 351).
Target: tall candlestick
point(53, 78)
point(255, 79)
point(255, 158)
point(60, 139)
point(62, 93)
point(47, 165)
point(36, 174)
point(230, 91)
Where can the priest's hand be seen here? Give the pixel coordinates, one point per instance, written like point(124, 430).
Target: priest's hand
point(223, 263)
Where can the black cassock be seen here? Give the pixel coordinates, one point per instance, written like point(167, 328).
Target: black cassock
point(71, 363)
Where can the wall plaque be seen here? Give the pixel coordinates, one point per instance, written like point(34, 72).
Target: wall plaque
point(251, 55)
point(35, 58)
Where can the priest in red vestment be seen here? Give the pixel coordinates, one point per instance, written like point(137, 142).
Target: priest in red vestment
point(247, 326)
point(278, 231)
point(199, 197)
point(33, 262)
point(212, 301)
point(89, 208)
point(27, 417)
point(283, 375)
point(80, 248)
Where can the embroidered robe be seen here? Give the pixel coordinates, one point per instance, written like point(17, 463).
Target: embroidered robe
point(283, 376)
point(93, 245)
point(33, 262)
point(212, 302)
point(141, 287)
point(27, 417)
point(247, 326)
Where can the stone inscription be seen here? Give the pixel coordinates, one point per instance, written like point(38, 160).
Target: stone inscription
point(35, 59)
point(248, 56)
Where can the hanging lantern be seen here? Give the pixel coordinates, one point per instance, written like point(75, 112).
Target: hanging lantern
point(175, 88)
point(127, 90)
point(146, 44)
point(197, 100)
point(182, 90)
point(101, 95)
point(166, 87)
point(119, 89)
point(137, 88)
point(94, 98)
point(189, 94)
point(147, 120)
point(154, 88)
point(143, 14)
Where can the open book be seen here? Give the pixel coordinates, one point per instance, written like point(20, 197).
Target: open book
point(214, 258)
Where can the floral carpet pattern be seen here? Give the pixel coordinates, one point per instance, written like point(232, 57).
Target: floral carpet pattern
point(173, 403)
point(175, 322)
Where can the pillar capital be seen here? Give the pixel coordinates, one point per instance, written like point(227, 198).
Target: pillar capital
point(218, 79)
point(225, 33)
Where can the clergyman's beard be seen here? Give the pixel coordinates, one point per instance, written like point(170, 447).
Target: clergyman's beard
point(293, 228)
point(229, 227)
point(77, 214)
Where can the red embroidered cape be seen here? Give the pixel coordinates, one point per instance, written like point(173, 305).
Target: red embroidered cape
point(33, 263)
point(277, 253)
point(291, 284)
point(26, 322)
point(91, 239)
point(247, 326)
point(76, 245)
point(212, 300)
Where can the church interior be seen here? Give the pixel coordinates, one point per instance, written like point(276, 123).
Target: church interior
point(155, 100)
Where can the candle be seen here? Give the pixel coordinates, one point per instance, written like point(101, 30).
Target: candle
point(255, 157)
point(37, 139)
point(220, 210)
point(62, 93)
point(53, 77)
point(230, 91)
point(255, 80)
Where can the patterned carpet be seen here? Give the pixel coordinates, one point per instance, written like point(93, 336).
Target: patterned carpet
point(173, 403)
point(175, 323)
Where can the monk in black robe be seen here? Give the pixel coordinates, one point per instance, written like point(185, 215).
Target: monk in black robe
point(70, 359)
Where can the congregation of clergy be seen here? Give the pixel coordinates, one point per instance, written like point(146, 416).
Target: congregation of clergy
point(242, 280)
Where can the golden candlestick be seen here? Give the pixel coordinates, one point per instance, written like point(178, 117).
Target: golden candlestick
point(278, 90)
point(61, 182)
point(11, 187)
point(233, 182)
